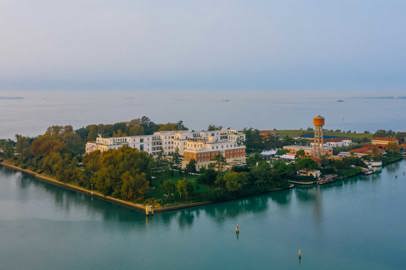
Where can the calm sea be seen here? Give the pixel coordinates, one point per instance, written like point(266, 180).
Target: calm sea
point(355, 225)
point(36, 110)
point(358, 224)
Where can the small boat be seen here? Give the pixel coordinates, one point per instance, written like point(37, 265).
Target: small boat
point(237, 229)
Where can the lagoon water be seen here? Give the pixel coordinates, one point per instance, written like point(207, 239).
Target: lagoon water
point(37, 110)
point(356, 224)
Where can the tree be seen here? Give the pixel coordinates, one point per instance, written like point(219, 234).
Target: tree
point(122, 173)
point(23, 149)
point(169, 188)
point(184, 188)
point(393, 148)
point(261, 175)
point(384, 133)
point(148, 126)
point(102, 181)
point(233, 181)
point(180, 126)
point(300, 154)
point(207, 176)
point(135, 128)
point(306, 163)
point(220, 162)
point(376, 152)
point(7, 148)
point(281, 171)
point(133, 186)
point(214, 127)
point(176, 159)
point(253, 140)
point(172, 126)
point(92, 132)
point(254, 159)
point(191, 166)
point(281, 152)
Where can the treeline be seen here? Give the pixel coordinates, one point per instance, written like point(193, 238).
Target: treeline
point(401, 136)
point(123, 173)
point(140, 126)
point(7, 149)
point(134, 175)
point(255, 143)
point(59, 152)
point(344, 168)
point(72, 142)
point(212, 184)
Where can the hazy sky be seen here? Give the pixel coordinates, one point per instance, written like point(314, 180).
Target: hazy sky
point(208, 44)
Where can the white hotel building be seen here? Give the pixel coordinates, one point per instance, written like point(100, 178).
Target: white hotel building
point(202, 146)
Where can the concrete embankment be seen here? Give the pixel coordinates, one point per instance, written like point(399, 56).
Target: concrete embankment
point(56, 182)
point(137, 206)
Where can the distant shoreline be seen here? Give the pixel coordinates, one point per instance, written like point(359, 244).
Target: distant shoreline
point(10, 98)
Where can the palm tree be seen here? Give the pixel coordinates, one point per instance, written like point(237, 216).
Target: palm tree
point(220, 162)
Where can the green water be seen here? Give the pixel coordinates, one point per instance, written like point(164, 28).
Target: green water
point(356, 224)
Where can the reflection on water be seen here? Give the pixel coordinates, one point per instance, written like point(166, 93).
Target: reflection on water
point(69, 201)
point(338, 225)
point(282, 198)
point(394, 167)
point(311, 196)
point(222, 211)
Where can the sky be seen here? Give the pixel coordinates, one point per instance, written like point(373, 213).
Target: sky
point(212, 44)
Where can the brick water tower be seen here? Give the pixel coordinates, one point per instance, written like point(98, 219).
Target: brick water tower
point(318, 122)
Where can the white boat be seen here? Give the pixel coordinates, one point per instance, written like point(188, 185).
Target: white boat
point(376, 164)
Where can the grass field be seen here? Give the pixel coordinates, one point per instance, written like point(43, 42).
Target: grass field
point(301, 132)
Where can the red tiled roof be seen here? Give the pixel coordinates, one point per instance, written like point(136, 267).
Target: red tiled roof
point(365, 149)
point(387, 139)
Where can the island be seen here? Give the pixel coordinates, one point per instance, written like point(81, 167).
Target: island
point(158, 167)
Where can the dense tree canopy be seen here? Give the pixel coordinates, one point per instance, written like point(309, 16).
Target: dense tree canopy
point(134, 175)
point(140, 126)
point(122, 173)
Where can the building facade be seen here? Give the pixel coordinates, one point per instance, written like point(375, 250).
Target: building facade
point(337, 142)
point(201, 146)
point(384, 141)
point(308, 150)
point(206, 151)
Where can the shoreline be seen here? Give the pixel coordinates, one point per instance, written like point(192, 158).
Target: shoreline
point(128, 204)
point(142, 207)
point(55, 182)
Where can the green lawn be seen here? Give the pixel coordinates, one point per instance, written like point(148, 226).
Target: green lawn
point(301, 132)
